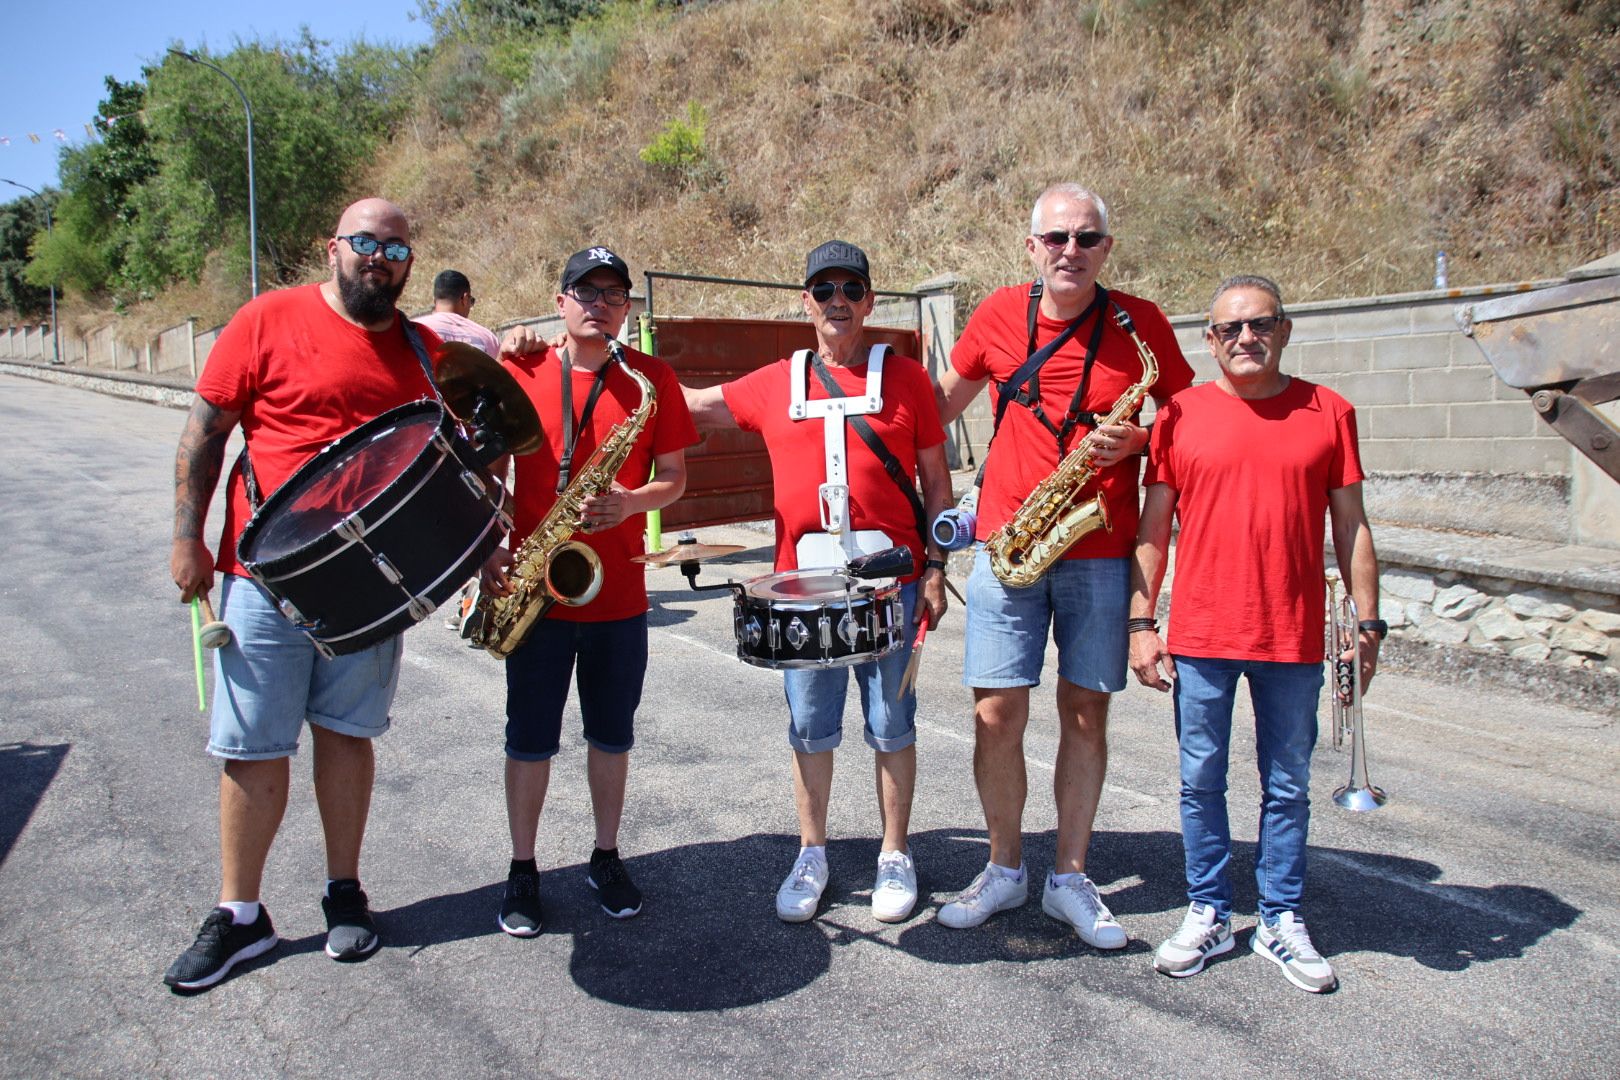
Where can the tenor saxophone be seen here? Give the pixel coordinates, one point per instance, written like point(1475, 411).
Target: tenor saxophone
point(550, 567)
point(1054, 517)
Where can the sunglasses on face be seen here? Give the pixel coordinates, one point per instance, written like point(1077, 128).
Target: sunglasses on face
point(366, 246)
point(1231, 331)
point(1059, 238)
point(590, 294)
point(854, 291)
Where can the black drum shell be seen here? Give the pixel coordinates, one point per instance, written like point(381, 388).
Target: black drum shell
point(875, 606)
point(429, 523)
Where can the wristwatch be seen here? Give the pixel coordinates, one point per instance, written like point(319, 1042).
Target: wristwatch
point(934, 564)
point(1377, 626)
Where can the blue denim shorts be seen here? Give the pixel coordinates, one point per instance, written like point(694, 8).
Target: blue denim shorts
point(270, 679)
point(815, 697)
point(1083, 602)
point(609, 661)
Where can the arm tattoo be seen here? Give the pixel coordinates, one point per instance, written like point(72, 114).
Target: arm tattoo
point(197, 464)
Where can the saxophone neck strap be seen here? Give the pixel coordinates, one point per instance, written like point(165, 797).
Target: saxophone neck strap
point(1024, 387)
point(565, 463)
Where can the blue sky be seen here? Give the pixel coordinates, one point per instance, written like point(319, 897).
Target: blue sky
point(56, 56)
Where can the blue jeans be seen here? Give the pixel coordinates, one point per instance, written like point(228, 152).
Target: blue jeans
point(608, 660)
point(1284, 698)
point(815, 697)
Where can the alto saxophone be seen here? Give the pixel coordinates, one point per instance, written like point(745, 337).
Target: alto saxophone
point(1054, 517)
point(549, 566)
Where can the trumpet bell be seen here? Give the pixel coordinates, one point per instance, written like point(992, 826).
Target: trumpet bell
point(1360, 799)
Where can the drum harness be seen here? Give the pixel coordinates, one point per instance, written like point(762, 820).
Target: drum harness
point(837, 410)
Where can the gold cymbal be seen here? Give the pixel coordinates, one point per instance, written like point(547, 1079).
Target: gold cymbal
point(466, 374)
point(685, 553)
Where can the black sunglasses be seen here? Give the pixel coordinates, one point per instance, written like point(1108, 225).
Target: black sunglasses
point(1231, 331)
point(1059, 238)
point(590, 294)
point(822, 291)
point(366, 246)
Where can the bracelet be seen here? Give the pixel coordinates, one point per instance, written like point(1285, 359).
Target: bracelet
point(1133, 626)
point(934, 564)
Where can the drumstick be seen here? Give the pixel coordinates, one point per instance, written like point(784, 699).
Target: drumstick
point(908, 681)
point(214, 634)
point(196, 651)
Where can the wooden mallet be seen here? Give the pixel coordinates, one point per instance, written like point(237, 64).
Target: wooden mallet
point(213, 634)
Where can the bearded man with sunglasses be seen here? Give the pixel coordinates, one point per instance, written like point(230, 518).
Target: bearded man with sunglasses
point(787, 403)
point(297, 369)
point(1061, 351)
point(1251, 463)
point(601, 645)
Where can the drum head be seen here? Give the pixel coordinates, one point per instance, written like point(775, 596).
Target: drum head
point(342, 482)
point(800, 585)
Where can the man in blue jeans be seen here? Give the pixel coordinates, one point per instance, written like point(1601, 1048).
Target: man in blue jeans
point(824, 472)
point(1252, 464)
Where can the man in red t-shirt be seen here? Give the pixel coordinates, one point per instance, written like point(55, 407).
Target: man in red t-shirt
point(870, 509)
point(1071, 327)
point(297, 369)
point(1251, 463)
point(581, 395)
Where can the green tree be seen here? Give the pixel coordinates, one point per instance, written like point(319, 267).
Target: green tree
point(20, 222)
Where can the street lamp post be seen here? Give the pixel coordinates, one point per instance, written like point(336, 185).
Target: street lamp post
point(56, 337)
point(253, 201)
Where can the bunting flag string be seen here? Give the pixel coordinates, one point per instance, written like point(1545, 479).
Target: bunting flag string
point(92, 129)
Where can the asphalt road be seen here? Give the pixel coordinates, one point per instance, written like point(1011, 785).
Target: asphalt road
point(1472, 920)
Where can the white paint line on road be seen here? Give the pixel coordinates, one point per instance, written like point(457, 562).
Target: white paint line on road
point(87, 478)
point(1449, 893)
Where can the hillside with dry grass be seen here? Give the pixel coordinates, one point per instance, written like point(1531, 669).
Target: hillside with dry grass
point(1335, 146)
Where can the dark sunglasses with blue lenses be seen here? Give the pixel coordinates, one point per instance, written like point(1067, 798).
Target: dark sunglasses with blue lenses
point(366, 246)
point(822, 291)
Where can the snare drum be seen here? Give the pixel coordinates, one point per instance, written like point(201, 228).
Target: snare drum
point(817, 618)
point(376, 530)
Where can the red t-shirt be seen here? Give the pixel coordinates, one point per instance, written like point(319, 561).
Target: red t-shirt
point(995, 344)
point(624, 583)
point(1252, 481)
point(302, 376)
point(907, 423)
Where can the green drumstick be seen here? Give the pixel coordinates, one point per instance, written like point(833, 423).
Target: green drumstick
point(196, 649)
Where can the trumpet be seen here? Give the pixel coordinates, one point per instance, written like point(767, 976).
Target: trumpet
point(1344, 635)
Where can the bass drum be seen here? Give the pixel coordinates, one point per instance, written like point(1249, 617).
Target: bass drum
point(817, 618)
point(376, 530)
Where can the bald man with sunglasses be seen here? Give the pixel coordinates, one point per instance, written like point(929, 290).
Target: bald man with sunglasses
point(786, 402)
point(1061, 351)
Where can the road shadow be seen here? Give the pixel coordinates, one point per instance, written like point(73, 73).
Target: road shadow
point(26, 771)
point(1355, 901)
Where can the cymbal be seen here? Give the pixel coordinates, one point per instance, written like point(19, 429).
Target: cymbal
point(685, 553)
point(466, 374)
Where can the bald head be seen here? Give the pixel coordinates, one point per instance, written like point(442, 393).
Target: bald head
point(379, 217)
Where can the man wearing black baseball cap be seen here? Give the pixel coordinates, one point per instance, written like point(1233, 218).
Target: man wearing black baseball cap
point(836, 498)
point(601, 645)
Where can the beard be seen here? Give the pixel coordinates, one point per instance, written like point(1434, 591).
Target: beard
point(368, 301)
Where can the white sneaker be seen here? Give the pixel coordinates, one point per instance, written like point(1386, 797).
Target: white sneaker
point(991, 891)
point(1079, 904)
point(1200, 937)
point(895, 892)
point(801, 890)
point(1288, 945)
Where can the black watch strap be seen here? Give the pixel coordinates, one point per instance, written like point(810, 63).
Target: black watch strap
point(934, 564)
point(1377, 626)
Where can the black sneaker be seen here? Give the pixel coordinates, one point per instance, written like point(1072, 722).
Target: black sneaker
point(220, 946)
point(615, 891)
point(351, 934)
point(520, 910)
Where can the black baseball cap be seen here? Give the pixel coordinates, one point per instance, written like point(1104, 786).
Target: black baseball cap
point(581, 263)
point(837, 255)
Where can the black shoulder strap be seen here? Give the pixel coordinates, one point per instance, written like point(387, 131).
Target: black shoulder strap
point(1024, 386)
point(891, 464)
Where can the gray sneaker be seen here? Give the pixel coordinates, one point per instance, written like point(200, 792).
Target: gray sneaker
point(991, 891)
point(1288, 945)
point(1201, 936)
point(1078, 903)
